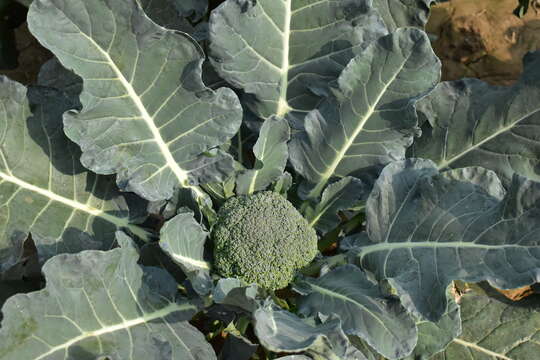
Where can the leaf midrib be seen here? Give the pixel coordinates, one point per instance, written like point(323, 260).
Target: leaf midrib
point(350, 141)
point(119, 222)
point(481, 349)
point(169, 159)
point(328, 292)
point(126, 324)
point(369, 249)
point(194, 262)
point(283, 105)
point(447, 162)
point(180, 174)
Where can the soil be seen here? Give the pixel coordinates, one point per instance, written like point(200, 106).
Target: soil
point(483, 39)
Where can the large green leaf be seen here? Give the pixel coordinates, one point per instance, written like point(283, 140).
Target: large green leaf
point(496, 330)
point(271, 155)
point(434, 337)
point(365, 311)
point(102, 304)
point(471, 123)
point(168, 13)
point(282, 331)
point(370, 120)
point(403, 13)
point(276, 50)
point(427, 229)
point(44, 190)
point(146, 114)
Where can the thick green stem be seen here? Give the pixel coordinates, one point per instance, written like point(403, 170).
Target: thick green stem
point(331, 237)
point(242, 324)
point(315, 268)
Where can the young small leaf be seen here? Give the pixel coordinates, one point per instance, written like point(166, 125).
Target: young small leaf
point(341, 195)
point(183, 239)
point(271, 152)
point(233, 292)
point(282, 331)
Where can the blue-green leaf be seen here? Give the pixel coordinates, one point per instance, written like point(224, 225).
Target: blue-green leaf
point(370, 120)
point(183, 239)
point(282, 51)
point(102, 304)
point(403, 13)
point(271, 153)
point(44, 190)
point(282, 331)
point(365, 311)
point(434, 337)
point(494, 329)
point(341, 195)
point(233, 292)
point(472, 123)
point(427, 229)
point(146, 114)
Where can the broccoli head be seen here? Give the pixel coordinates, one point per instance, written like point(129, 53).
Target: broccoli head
point(262, 239)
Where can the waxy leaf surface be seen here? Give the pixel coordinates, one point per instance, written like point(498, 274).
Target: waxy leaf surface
point(403, 13)
point(341, 195)
point(271, 153)
point(370, 120)
point(44, 190)
point(472, 123)
point(282, 331)
point(364, 310)
point(102, 304)
point(280, 51)
point(428, 229)
point(146, 114)
point(183, 239)
point(493, 329)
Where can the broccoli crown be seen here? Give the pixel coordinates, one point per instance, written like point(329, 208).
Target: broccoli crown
point(262, 239)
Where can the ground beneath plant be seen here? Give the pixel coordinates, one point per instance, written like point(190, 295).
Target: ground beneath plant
point(483, 39)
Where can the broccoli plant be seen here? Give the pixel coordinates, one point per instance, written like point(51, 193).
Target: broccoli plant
point(269, 179)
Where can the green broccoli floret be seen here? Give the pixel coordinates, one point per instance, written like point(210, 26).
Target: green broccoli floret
point(262, 239)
